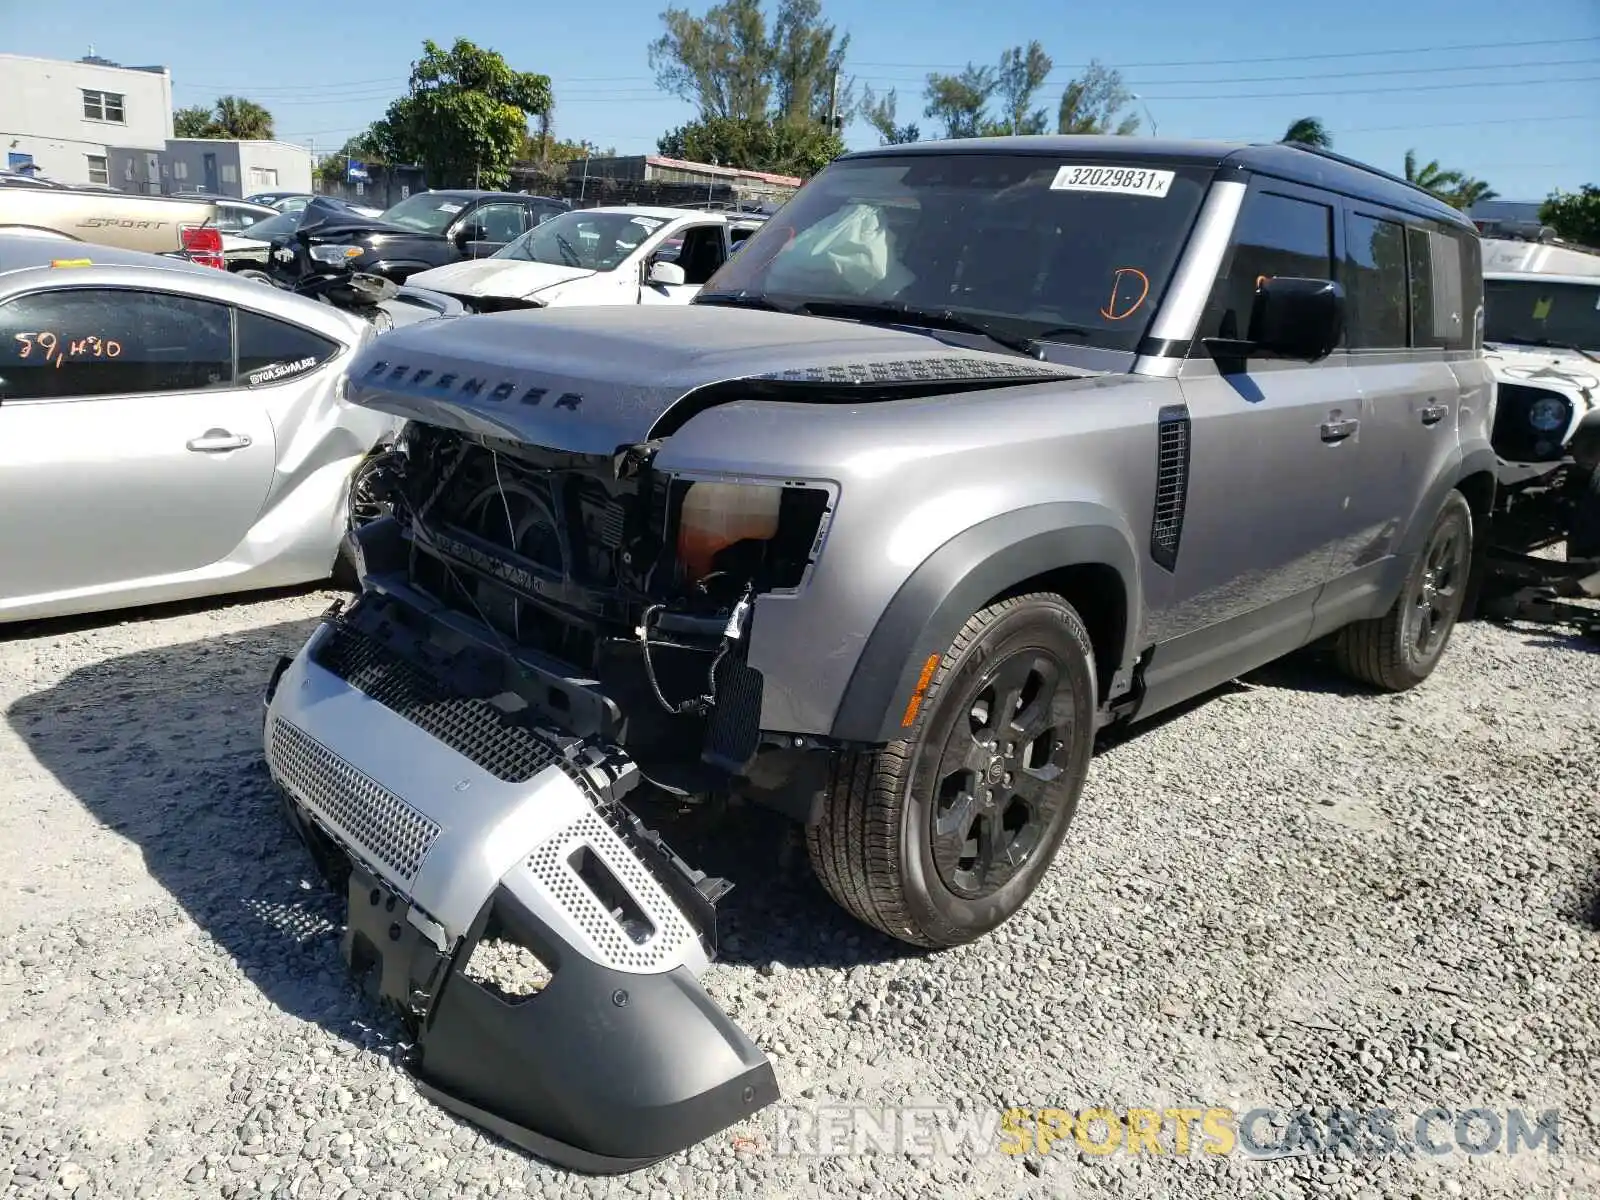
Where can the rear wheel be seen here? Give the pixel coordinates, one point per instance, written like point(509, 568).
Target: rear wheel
point(255, 276)
point(940, 837)
point(1400, 649)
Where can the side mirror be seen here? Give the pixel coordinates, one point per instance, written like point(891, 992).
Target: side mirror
point(1292, 318)
point(468, 233)
point(666, 274)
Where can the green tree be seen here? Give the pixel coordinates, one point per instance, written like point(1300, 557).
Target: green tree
point(879, 112)
point(1091, 102)
point(959, 101)
point(763, 94)
point(1574, 215)
point(1309, 131)
point(1455, 188)
point(465, 117)
point(800, 148)
point(192, 122)
point(1022, 73)
point(230, 117)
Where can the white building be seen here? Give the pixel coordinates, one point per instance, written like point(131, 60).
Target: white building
point(65, 118)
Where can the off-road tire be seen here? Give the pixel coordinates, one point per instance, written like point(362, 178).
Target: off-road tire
point(871, 848)
point(1378, 652)
point(1583, 532)
point(255, 276)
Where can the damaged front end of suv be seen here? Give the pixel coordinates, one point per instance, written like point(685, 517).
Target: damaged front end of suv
point(549, 618)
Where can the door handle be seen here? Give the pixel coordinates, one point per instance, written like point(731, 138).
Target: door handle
point(1432, 414)
point(1337, 431)
point(215, 441)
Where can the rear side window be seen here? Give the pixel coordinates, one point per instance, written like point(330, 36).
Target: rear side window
point(1275, 236)
point(109, 341)
point(271, 350)
point(1439, 316)
point(1375, 282)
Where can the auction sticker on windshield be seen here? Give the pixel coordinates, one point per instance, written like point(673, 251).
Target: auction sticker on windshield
point(1129, 181)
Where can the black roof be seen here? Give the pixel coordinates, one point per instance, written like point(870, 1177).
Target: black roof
point(1291, 161)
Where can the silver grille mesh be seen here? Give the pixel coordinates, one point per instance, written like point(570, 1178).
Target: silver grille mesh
point(950, 368)
point(374, 819)
point(555, 876)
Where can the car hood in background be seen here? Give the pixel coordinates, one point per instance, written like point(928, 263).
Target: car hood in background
point(1544, 366)
point(511, 278)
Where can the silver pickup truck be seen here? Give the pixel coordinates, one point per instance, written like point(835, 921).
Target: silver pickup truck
point(974, 450)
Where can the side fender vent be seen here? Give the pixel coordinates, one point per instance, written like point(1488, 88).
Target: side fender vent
point(1172, 484)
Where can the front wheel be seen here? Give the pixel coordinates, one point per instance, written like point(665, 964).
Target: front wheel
point(1583, 532)
point(1400, 649)
point(938, 838)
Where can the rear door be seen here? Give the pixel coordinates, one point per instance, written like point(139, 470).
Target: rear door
point(127, 451)
point(1273, 457)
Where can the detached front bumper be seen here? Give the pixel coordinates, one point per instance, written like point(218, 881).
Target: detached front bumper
point(446, 822)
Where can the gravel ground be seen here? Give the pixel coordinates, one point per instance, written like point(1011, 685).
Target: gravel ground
point(1291, 895)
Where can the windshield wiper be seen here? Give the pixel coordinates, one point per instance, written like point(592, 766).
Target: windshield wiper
point(738, 300)
point(933, 318)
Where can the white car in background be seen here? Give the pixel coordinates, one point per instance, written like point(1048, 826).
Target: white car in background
point(169, 431)
point(613, 255)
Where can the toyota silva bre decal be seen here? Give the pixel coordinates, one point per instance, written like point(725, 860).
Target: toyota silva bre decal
point(467, 387)
point(276, 371)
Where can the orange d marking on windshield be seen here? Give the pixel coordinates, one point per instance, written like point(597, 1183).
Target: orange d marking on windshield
point(1123, 303)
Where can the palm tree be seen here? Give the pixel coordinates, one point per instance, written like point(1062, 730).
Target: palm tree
point(243, 119)
point(1309, 131)
point(1432, 177)
point(1470, 191)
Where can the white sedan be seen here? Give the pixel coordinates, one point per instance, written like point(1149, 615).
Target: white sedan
point(622, 255)
point(167, 431)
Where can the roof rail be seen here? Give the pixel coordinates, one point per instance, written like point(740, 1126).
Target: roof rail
point(1324, 152)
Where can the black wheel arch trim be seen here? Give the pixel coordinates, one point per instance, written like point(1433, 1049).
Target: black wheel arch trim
point(957, 580)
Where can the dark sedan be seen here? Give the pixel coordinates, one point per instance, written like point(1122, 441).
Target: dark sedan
point(426, 230)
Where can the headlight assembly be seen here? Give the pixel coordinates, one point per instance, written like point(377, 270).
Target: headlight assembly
point(334, 255)
point(1549, 413)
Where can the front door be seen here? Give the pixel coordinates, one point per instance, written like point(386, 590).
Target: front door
point(1274, 455)
point(126, 453)
point(210, 170)
point(491, 227)
point(702, 252)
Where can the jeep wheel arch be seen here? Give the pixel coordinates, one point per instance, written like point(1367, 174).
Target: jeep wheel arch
point(1077, 541)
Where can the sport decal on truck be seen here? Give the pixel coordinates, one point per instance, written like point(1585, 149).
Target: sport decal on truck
point(277, 371)
point(1128, 181)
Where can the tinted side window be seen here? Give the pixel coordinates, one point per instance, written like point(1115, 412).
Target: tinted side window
point(1439, 316)
point(106, 341)
point(1276, 235)
point(277, 349)
point(1375, 281)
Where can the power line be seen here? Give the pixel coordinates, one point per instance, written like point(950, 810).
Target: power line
point(1218, 62)
point(1379, 91)
point(1508, 66)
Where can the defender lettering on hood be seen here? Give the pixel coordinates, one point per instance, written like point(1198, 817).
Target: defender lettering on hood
point(642, 373)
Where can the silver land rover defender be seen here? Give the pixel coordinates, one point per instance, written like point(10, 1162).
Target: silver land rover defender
point(975, 449)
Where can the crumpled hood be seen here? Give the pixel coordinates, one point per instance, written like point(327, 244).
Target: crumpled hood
point(591, 379)
point(507, 277)
point(1546, 367)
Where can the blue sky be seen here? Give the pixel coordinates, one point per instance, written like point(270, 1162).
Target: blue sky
point(1524, 116)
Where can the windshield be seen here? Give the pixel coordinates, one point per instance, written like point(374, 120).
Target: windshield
point(598, 241)
point(1038, 246)
point(426, 212)
point(1536, 312)
point(281, 225)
